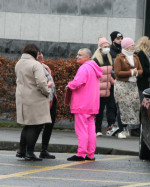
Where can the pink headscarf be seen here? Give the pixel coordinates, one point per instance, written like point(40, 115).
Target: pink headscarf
point(127, 42)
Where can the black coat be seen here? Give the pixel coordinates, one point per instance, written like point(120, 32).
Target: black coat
point(114, 51)
point(142, 81)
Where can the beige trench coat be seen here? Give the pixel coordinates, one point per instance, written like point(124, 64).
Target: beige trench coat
point(32, 93)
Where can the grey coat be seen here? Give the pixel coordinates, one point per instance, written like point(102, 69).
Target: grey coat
point(32, 93)
point(50, 78)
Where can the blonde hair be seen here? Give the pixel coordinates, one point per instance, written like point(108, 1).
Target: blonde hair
point(98, 55)
point(143, 44)
point(100, 36)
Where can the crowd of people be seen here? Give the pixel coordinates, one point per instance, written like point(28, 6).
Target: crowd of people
point(113, 77)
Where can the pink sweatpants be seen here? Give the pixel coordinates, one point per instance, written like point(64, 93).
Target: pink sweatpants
point(85, 130)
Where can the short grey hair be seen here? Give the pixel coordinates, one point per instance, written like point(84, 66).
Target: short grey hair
point(87, 51)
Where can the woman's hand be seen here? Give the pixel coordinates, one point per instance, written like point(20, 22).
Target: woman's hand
point(47, 68)
point(135, 71)
point(40, 58)
point(66, 87)
point(50, 83)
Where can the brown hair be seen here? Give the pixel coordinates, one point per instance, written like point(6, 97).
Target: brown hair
point(31, 49)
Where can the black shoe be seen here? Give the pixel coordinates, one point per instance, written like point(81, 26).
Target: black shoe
point(87, 158)
point(30, 156)
point(76, 158)
point(45, 154)
point(20, 155)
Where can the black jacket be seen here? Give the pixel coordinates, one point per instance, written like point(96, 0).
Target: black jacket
point(114, 51)
point(142, 81)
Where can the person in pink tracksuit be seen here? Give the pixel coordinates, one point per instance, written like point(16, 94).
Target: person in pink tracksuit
point(85, 103)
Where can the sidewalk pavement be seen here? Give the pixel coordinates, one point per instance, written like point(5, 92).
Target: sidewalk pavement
point(66, 141)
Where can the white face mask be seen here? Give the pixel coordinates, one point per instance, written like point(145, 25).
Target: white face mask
point(131, 51)
point(128, 52)
point(105, 50)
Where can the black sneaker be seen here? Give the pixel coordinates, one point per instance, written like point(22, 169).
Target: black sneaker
point(76, 158)
point(91, 159)
point(45, 154)
point(32, 157)
point(20, 155)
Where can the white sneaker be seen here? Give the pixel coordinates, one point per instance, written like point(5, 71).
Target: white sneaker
point(99, 134)
point(121, 135)
point(126, 131)
point(110, 131)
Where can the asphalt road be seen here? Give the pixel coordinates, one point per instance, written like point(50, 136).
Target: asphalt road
point(107, 170)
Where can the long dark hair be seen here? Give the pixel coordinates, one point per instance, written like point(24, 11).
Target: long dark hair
point(31, 49)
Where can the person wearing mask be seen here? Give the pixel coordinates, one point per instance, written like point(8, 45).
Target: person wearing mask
point(103, 58)
point(127, 68)
point(142, 50)
point(85, 104)
point(47, 131)
point(32, 100)
point(115, 48)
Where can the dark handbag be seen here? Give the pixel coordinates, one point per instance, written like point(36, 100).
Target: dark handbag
point(67, 98)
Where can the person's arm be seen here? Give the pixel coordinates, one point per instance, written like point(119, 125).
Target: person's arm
point(118, 69)
point(139, 68)
point(40, 79)
point(79, 79)
point(143, 61)
point(40, 58)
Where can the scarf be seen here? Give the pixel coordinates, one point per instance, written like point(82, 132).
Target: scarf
point(129, 56)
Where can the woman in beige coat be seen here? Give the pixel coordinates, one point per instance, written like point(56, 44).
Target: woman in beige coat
point(32, 100)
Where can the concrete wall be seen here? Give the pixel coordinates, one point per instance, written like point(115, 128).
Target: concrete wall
point(66, 23)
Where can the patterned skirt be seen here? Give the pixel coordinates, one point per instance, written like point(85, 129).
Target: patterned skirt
point(127, 98)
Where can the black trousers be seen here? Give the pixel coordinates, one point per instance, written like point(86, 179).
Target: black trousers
point(120, 125)
point(29, 136)
point(47, 131)
point(111, 110)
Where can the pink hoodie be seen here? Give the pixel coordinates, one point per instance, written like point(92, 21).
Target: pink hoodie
point(85, 88)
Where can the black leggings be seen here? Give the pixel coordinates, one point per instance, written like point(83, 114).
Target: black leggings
point(47, 131)
point(111, 111)
point(121, 126)
point(29, 136)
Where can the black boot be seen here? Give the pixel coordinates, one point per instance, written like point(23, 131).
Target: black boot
point(30, 156)
point(21, 153)
point(46, 154)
